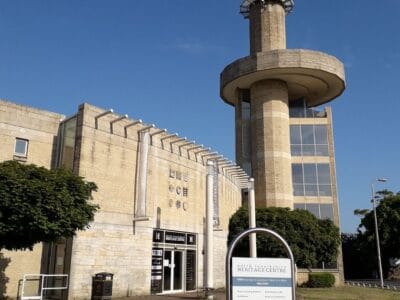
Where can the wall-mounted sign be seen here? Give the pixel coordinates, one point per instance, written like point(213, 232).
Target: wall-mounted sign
point(178, 184)
point(179, 175)
point(173, 237)
point(261, 278)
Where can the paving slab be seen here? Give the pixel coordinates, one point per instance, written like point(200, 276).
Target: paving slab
point(218, 295)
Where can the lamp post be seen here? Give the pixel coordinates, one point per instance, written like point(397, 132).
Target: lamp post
point(378, 247)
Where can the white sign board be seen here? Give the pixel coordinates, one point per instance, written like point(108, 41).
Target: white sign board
point(261, 278)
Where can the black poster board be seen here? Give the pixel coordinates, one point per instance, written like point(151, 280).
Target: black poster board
point(190, 270)
point(191, 239)
point(156, 270)
point(158, 236)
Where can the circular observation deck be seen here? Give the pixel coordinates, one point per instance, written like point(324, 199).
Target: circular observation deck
point(313, 75)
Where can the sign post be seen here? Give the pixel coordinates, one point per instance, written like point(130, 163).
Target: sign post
point(260, 278)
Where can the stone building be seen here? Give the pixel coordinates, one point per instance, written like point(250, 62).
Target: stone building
point(149, 231)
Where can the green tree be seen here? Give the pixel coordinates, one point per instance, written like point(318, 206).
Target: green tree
point(313, 241)
point(41, 205)
point(358, 260)
point(388, 217)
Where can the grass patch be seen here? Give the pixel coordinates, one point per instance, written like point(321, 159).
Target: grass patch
point(346, 293)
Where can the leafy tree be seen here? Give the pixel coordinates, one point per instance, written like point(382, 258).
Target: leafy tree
point(361, 212)
point(313, 241)
point(388, 217)
point(358, 261)
point(41, 205)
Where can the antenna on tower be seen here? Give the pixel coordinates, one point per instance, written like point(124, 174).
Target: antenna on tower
point(246, 4)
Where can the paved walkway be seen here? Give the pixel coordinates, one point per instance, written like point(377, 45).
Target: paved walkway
point(218, 295)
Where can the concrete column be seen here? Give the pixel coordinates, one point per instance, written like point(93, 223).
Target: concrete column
point(252, 219)
point(267, 27)
point(270, 132)
point(141, 181)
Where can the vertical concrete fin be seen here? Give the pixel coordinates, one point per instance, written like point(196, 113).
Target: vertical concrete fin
point(141, 180)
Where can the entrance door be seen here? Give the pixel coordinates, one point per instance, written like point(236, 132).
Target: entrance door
point(173, 270)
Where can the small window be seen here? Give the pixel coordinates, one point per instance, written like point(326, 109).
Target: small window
point(307, 135)
point(298, 189)
point(299, 206)
point(295, 150)
point(297, 173)
point(321, 134)
point(326, 211)
point(311, 190)
point(21, 147)
point(324, 174)
point(313, 208)
point(310, 173)
point(295, 135)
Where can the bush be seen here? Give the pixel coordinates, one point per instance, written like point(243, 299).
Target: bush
point(320, 280)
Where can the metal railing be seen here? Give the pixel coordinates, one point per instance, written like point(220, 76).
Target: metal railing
point(374, 283)
point(44, 282)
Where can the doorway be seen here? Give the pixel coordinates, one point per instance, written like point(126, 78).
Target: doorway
point(173, 270)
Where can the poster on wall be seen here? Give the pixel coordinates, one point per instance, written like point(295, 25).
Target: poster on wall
point(190, 270)
point(156, 270)
point(261, 278)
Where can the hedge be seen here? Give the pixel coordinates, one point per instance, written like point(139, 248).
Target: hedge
point(320, 280)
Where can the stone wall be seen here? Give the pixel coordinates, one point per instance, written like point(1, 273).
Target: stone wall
point(302, 275)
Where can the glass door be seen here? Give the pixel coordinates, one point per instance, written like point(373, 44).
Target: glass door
point(177, 271)
point(173, 270)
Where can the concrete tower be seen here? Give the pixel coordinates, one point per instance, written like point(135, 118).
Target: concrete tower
point(261, 87)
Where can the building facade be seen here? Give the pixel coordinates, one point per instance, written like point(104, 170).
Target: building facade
point(150, 229)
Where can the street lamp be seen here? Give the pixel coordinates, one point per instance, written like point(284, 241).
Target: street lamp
point(378, 247)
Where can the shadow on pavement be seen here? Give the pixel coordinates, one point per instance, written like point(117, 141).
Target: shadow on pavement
point(218, 295)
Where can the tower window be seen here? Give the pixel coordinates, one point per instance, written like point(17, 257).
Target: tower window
point(21, 147)
point(309, 140)
point(298, 109)
point(311, 180)
point(321, 211)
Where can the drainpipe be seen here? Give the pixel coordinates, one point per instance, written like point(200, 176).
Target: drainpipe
point(209, 232)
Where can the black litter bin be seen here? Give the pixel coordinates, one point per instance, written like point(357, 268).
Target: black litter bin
point(102, 286)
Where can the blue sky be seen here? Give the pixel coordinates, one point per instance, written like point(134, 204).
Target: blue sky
point(160, 61)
